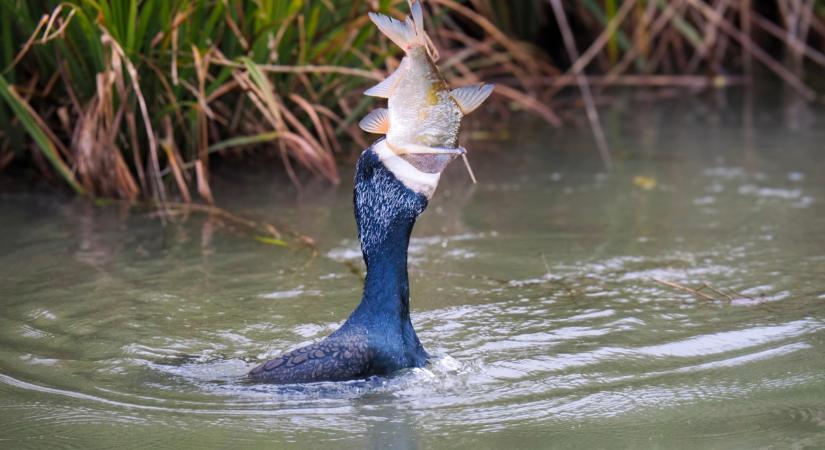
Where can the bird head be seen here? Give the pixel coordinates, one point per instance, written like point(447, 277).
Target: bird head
point(391, 191)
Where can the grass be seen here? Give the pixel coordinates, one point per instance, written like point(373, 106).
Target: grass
point(132, 98)
point(138, 94)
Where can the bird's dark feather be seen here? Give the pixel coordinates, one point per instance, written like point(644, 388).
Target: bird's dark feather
point(378, 338)
point(341, 356)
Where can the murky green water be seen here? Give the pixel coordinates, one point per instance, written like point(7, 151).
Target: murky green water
point(536, 289)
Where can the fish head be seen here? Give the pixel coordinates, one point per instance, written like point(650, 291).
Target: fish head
point(418, 172)
point(430, 162)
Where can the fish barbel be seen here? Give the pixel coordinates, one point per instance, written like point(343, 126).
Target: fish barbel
point(423, 116)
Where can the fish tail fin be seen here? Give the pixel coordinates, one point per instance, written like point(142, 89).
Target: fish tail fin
point(417, 14)
point(408, 33)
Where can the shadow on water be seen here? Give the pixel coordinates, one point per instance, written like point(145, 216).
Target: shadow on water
point(539, 290)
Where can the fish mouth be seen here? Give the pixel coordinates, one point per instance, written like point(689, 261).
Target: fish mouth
point(433, 162)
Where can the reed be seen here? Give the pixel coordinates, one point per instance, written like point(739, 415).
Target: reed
point(133, 98)
point(137, 94)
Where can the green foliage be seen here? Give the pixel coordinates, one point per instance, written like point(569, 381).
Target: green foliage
point(130, 98)
point(19, 108)
point(185, 55)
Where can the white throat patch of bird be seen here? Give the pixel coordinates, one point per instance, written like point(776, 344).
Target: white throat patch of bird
point(423, 116)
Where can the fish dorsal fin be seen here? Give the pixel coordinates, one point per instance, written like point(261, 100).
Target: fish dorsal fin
point(470, 97)
point(385, 88)
point(377, 121)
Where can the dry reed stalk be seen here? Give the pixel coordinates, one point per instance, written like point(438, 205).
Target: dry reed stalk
point(201, 64)
point(528, 62)
point(777, 32)
point(271, 110)
point(641, 35)
point(61, 68)
point(484, 56)
point(40, 134)
point(49, 85)
point(297, 101)
point(797, 17)
point(160, 191)
point(694, 81)
point(276, 232)
point(61, 147)
point(174, 38)
point(671, 46)
point(203, 184)
point(592, 113)
point(310, 69)
point(234, 26)
point(262, 96)
point(316, 120)
point(529, 103)
point(351, 130)
point(720, 295)
point(654, 31)
point(580, 63)
point(168, 91)
point(806, 92)
point(475, 48)
point(319, 158)
point(29, 43)
point(667, 49)
point(710, 34)
point(307, 85)
point(176, 23)
point(6, 157)
point(746, 21)
point(818, 23)
point(99, 162)
point(175, 162)
point(126, 181)
point(472, 47)
point(131, 123)
point(696, 292)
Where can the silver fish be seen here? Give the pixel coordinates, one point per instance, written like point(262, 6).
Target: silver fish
point(423, 116)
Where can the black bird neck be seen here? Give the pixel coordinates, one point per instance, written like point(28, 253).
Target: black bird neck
point(385, 212)
point(386, 288)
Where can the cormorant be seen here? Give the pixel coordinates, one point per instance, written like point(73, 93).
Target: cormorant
point(394, 180)
point(378, 338)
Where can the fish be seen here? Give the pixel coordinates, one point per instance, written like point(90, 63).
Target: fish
point(423, 116)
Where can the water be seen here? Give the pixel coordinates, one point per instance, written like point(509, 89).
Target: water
point(539, 291)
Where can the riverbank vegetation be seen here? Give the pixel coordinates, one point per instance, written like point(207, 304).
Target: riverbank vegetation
point(132, 99)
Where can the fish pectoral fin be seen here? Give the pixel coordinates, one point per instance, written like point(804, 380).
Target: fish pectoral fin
point(385, 88)
point(468, 98)
point(377, 121)
point(413, 149)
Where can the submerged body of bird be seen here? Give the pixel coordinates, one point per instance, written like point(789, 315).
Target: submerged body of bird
point(394, 180)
